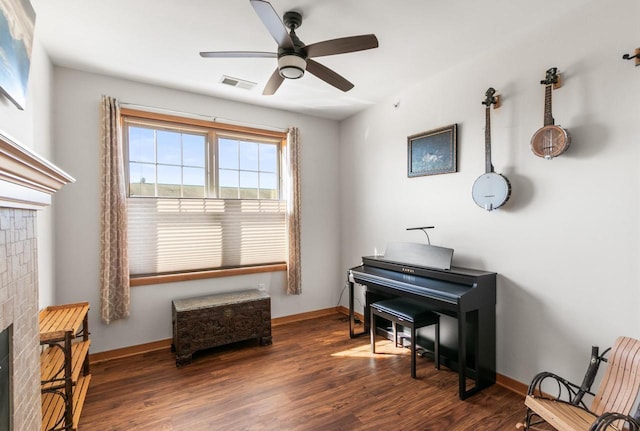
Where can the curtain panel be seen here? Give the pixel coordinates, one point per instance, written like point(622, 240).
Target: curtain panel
point(114, 260)
point(294, 283)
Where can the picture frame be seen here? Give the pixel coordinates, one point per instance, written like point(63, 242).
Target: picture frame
point(433, 152)
point(17, 24)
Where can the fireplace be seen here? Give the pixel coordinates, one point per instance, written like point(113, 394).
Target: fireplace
point(27, 182)
point(20, 386)
point(5, 380)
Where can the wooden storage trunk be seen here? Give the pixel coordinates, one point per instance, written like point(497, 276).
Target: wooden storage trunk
point(215, 320)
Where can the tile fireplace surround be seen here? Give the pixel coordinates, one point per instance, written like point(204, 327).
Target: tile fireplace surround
point(27, 182)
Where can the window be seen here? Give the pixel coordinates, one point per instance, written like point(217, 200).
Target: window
point(202, 196)
point(174, 163)
point(166, 162)
point(247, 170)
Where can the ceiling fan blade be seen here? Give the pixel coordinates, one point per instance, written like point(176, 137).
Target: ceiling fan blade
point(271, 20)
point(342, 45)
point(273, 84)
point(238, 54)
point(328, 75)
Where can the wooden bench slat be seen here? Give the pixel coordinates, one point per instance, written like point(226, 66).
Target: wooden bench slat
point(562, 416)
point(79, 395)
point(621, 382)
point(52, 410)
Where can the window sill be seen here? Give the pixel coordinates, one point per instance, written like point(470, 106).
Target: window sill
point(199, 275)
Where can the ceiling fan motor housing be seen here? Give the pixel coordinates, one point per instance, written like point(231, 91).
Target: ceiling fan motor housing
point(291, 66)
point(292, 62)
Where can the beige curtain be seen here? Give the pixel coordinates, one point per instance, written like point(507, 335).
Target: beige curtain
point(114, 261)
point(294, 286)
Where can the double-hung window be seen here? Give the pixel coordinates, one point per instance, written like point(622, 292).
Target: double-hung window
point(202, 196)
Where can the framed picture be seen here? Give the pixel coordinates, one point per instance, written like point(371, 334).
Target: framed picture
point(17, 21)
point(432, 152)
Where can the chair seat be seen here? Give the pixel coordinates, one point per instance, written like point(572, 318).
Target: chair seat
point(562, 416)
point(408, 310)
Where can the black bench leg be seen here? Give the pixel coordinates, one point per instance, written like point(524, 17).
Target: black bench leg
point(372, 332)
point(413, 351)
point(436, 348)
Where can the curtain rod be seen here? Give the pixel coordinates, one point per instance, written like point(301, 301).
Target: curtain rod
point(197, 115)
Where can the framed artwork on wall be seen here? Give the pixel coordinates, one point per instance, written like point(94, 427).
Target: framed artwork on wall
point(433, 152)
point(17, 22)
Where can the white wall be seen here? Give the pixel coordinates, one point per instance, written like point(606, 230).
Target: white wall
point(566, 244)
point(31, 128)
point(40, 92)
point(76, 137)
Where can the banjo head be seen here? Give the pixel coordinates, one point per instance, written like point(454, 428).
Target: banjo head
point(491, 191)
point(550, 141)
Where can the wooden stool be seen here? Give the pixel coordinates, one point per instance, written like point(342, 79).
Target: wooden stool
point(408, 313)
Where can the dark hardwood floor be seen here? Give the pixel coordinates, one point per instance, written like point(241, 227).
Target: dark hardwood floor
point(313, 377)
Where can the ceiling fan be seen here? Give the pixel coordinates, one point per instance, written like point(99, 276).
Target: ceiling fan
point(294, 57)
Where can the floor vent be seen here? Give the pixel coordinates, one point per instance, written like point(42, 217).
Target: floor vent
point(235, 82)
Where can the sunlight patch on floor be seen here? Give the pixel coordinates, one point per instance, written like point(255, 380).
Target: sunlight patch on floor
point(384, 349)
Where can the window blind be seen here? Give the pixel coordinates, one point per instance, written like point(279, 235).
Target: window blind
point(172, 235)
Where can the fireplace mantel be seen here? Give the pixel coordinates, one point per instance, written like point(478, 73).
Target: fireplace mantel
point(27, 180)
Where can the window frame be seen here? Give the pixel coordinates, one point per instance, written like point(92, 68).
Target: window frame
point(214, 129)
point(213, 132)
point(157, 125)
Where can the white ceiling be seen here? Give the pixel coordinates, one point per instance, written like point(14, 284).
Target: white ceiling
point(158, 41)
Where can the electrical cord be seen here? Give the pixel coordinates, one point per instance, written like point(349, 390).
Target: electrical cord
point(356, 319)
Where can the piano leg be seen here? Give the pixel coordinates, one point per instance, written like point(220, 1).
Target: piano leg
point(352, 319)
point(469, 322)
point(352, 316)
point(462, 356)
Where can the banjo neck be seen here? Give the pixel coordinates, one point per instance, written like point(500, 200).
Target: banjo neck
point(548, 117)
point(487, 140)
point(550, 79)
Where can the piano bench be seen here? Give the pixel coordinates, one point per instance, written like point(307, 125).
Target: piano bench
point(409, 314)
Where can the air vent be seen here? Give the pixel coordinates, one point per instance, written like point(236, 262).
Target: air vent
point(235, 82)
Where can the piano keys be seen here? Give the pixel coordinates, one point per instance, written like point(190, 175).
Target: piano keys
point(466, 295)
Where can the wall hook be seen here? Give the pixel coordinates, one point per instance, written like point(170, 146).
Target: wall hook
point(631, 57)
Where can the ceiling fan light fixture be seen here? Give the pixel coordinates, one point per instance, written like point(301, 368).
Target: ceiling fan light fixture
point(291, 66)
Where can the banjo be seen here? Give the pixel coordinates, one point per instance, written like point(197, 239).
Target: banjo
point(550, 140)
point(490, 190)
